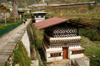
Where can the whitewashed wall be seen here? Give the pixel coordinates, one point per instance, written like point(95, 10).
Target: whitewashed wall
point(51, 59)
point(73, 56)
point(39, 18)
point(54, 50)
point(26, 42)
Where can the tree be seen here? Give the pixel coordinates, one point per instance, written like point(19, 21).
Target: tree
point(15, 8)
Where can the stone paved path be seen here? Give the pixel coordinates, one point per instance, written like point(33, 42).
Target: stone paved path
point(9, 36)
point(60, 63)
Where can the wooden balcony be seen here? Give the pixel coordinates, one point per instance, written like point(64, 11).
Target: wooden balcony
point(47, 44)
point(55, 40)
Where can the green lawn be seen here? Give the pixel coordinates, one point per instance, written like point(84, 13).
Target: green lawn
point(92, 50)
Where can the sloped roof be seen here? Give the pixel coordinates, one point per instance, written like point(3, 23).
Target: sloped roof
point(49, 22)
point(39, 12)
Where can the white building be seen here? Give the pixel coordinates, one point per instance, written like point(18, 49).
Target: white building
point(61, 39)
point(39, 16)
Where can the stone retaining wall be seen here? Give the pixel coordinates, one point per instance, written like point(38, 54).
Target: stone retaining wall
point(6, 53)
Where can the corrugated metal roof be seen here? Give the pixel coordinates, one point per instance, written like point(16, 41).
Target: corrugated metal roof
point(49, 22)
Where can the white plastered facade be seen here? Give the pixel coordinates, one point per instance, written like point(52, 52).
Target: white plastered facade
point(48, 52)
point(40, 18)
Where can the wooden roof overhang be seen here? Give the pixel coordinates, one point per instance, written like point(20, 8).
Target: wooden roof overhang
point(39, 12)
point(21, 11)
point(79, 24)
point(55, 21)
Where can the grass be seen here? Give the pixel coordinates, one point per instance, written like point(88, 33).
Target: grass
point(87, 14)
point(92, 33)
point(92, 50)
point(38, 35)
point(21, 56)
point(7, 64)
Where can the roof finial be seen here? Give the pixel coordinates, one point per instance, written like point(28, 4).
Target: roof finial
point(61, 13)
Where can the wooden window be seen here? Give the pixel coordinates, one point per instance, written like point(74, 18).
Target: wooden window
point(55, 54)
point(77, 51)
point(42, 16)
point(36, 16)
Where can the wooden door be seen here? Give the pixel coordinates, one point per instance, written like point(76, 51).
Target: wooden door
point(65, 52)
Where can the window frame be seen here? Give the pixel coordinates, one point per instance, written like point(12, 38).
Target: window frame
point(77, 51)
point(55, 54)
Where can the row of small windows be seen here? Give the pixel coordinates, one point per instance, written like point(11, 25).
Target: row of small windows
point(73, 52)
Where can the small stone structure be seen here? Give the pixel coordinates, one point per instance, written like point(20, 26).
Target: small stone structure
point(39, 15)
point(21, 14)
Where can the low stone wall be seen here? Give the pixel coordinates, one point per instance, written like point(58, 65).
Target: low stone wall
point(6, 53)
point(26, 42)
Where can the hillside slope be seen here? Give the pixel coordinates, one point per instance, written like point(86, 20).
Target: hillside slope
point(3, 9)
point(23, 3)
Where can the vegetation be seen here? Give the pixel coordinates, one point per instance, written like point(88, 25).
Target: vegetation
point(7, 64)
point(25, 3)
point(92, 50)
point(3, 9)
point(38, 35)
point(21, 56)
point(8, 25)
point(92, 33)
point(32, 41)
point(86, 14)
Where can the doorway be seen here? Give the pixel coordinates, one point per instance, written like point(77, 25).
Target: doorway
point(65, 52)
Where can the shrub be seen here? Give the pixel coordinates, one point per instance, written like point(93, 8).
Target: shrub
point(9, 25)
point(91, 33)
point(25, 19)
point(21, 56)
point(38, 35)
